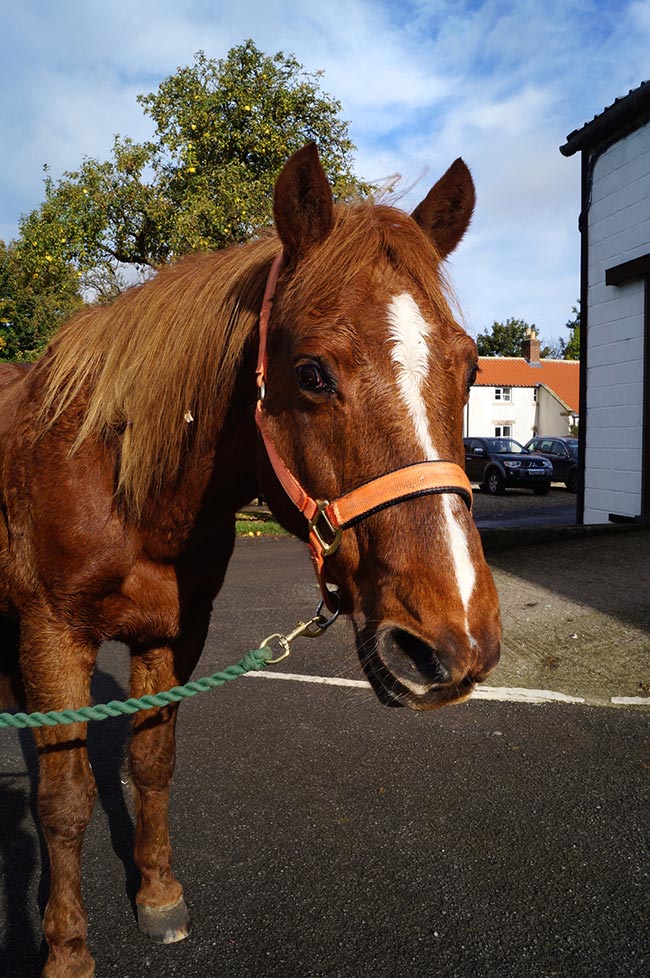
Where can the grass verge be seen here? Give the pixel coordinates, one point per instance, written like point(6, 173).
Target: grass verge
point(258, 525)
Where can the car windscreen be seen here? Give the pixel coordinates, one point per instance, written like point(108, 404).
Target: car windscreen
point(505, 446)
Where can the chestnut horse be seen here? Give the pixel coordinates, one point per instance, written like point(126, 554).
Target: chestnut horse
point(127, 449)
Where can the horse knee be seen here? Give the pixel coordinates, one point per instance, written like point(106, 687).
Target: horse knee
point(152, 769)
point(65, 805)
point(152, 752)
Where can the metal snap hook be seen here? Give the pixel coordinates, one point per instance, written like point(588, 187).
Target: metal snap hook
point(309, 629)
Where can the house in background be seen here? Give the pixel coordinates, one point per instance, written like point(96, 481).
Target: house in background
point(519, 397)
point(615, 310)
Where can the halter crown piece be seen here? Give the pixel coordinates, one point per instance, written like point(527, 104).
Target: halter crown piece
point(327, 520)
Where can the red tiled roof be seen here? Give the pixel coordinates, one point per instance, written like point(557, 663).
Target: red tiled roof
point(561, 376)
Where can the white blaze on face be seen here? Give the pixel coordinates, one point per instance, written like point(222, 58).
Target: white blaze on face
point(409, 332)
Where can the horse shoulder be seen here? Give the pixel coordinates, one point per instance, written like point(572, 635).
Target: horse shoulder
point(13, 403)
point(67, 539)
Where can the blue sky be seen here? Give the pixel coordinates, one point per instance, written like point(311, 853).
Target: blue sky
point(499, 82)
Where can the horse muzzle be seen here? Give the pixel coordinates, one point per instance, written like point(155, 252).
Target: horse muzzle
point(405, 669)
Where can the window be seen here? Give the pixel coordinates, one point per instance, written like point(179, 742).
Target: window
point(503, 430)
point(503, 393)
point(534, 395)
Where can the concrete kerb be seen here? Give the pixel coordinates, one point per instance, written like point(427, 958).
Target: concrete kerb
point(503, 538)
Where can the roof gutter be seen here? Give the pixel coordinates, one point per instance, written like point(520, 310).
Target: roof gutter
point(626, 114)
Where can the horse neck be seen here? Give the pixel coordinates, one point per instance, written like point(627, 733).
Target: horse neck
point(219, 480)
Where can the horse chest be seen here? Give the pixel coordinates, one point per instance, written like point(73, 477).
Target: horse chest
point(159, 595)
point(146, 607)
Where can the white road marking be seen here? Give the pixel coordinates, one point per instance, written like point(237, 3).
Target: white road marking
point(496, 693)
point(516, 694)
point(630, 700)
point(325, 680)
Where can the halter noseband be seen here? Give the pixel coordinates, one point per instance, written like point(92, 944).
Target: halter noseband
point(327, 520)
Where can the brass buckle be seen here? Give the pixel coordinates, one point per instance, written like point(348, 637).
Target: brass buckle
point(327, 546)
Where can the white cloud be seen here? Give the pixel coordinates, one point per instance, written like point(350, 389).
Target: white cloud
point(499, 82)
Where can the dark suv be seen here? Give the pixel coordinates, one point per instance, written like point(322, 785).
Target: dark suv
point(562, 453)
point(500, 463)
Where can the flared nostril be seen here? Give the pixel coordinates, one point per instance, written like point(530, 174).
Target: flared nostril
point(421, 657)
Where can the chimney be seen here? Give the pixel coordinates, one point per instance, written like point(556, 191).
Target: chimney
point(530, 347)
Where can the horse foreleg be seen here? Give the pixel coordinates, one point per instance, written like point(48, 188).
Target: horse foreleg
point(162, 913)
point(56, 670)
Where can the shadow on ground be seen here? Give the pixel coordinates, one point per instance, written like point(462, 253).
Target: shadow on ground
point(575, 611)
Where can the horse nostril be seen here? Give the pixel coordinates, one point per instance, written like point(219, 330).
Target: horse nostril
point(422, 658)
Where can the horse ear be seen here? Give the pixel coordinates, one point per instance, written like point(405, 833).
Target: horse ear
point(446, 211)
point(302, 202)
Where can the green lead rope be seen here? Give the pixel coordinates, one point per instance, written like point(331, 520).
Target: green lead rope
point(255, 659)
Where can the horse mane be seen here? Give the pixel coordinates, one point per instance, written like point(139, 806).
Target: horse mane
point(159, 354)
point(170, 350)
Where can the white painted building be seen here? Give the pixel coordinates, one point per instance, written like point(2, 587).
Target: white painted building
point(615, 309)
point(520, 397)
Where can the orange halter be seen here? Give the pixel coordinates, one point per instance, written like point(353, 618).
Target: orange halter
point(327, 520)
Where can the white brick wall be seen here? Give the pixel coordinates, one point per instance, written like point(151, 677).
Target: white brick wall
point(619, 230)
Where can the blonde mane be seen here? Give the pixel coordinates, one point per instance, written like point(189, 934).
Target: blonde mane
point(158, 364)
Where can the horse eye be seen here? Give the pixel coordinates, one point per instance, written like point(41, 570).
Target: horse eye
point(311, 377)
point(471, 377)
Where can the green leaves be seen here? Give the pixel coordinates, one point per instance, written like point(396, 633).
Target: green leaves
point(37, 292)
point(223, 131)
point(504, 339)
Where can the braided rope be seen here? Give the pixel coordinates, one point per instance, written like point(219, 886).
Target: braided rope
point(255, 659)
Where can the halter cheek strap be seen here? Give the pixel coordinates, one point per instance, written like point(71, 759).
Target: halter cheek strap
point(327, 520)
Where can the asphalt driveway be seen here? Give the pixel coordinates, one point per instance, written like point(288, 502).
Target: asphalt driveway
point(320, 835)
point(521, 507)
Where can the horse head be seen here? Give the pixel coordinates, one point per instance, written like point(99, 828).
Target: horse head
point(368, 372)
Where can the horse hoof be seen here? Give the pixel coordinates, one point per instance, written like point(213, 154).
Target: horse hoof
point(165, 925)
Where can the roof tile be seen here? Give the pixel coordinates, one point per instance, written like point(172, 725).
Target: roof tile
point(561, 376)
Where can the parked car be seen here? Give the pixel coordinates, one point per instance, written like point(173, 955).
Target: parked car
point(562, 453)
point(501, 463)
